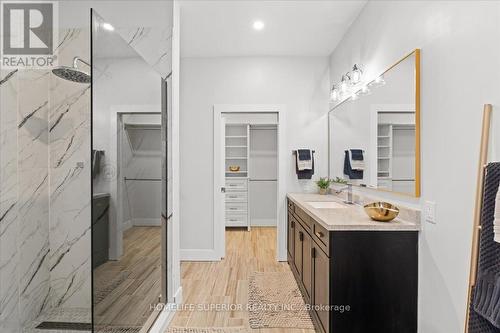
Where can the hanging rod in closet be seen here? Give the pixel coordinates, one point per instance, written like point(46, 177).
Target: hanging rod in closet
point(263, 180)
point(143, 179)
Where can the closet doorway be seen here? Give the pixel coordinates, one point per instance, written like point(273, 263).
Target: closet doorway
point(249, 186)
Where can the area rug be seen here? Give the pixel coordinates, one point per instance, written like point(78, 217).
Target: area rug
point(275, 301)
point(206, 330)
point(103, 287)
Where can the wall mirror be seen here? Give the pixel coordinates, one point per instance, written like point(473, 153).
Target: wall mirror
point(374, 136)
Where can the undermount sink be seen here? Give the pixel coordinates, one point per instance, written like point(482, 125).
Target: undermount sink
point(326, 205)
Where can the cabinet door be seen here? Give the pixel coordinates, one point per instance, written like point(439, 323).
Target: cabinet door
point(299, 237)
point(307, 258)
point(321, 285)
point(291, 237)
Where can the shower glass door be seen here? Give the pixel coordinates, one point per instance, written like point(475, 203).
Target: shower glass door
point(130, 210)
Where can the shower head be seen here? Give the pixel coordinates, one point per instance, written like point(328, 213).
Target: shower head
point(72, 73)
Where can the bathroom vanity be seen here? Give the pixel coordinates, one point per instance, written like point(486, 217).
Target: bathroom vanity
point(358, 275)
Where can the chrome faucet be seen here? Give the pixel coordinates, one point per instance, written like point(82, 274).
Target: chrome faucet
point(349, 193)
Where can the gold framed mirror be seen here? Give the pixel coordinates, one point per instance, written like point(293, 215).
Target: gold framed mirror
point(374, 134)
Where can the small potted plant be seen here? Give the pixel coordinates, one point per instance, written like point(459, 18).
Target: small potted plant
point(323, 184)
point(339, 181)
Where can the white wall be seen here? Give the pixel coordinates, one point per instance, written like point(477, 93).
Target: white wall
point(460, 72)
point(120, 82)
point(301, 84)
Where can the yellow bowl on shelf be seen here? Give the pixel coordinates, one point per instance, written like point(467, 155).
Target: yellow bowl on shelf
point(381, 211)
point(234, 168)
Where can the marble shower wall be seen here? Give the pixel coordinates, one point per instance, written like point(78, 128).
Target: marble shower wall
point(153, 44)
point(44, 194)
point(70, 192)
point(9, 222)
point(24, 195)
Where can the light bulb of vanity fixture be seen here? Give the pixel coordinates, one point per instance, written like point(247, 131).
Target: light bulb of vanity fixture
point(344, 83)
point(334, 93)
point(378, 82)
point(354, 96)
point(364, 90)
point(356, 74)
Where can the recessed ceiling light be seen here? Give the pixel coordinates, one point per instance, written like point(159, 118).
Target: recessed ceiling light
point(258, 25)
point(107, 26)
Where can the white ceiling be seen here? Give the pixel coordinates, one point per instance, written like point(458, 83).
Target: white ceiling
point(292, 28)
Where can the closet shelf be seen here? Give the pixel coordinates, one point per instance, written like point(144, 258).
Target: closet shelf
point(236, 146)
point(236, 136)
point(236, 158)
point(383, 136)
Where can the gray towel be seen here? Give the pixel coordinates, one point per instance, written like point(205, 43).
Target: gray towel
point(486, 300)
point(96, 162)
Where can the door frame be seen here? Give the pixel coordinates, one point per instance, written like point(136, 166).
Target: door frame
point(219, 236)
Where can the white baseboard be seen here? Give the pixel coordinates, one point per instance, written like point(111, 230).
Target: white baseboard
point(146, 222)
point(167, 314)
point(127, 225)
point(263, 223)
point(178, 298)
point(199, 255)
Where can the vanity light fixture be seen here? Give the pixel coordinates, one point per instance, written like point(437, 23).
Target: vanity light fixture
point(258, 25)
point(107, 26)
point(352, 85)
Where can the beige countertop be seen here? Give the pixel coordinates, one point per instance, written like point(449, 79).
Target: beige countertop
point(348, 217)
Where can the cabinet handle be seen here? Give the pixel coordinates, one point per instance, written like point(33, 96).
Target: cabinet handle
point(319, 234)
point(301, 236)
point(313, 252)
point(293, 224)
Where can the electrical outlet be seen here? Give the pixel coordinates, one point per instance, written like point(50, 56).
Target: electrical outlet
point(430, 212)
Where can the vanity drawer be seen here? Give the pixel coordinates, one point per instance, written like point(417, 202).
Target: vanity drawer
point(322, 237)
point(236, 220)
point(236, 185)
point(236, 197)
point(303, 218)
point(236, 208)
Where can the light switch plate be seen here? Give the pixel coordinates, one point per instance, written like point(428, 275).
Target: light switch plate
point(430, 212)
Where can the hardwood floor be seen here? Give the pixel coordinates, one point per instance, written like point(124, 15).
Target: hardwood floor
point(128, 304)
point(226, 282)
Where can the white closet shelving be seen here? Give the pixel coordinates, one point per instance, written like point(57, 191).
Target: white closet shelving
point(237, 154)
point(384, 156)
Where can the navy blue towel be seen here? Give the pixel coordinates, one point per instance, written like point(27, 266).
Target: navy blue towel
point(304, 174)
point(304, 154)
point(357, 154)
point(348, 171)
point(486, 300)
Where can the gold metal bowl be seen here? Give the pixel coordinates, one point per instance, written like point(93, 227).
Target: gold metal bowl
point(381, 211)
point(234, 168)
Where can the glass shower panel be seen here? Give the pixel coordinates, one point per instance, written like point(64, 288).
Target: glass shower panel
point(128, 236)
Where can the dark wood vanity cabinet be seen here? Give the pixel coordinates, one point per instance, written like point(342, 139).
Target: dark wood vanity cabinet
point(355, 281)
